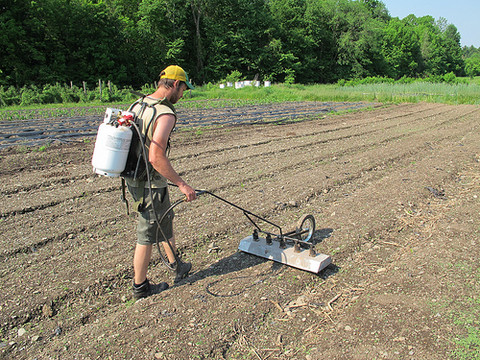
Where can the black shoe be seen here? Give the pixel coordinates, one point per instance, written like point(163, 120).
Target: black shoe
point(147, 289)
point(181, 270)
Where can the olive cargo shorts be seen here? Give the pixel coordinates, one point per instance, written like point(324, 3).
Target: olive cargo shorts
point(147, 226)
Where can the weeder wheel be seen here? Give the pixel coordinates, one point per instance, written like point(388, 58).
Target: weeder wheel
point(306, 225)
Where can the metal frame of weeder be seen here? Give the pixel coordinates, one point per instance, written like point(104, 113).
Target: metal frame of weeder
point(287, 248)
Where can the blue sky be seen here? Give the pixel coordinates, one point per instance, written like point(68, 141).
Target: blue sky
point(464, 14)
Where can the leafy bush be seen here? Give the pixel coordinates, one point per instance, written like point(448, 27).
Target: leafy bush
point(210, 86)
point(30, 95)
point(366, 81)
point(234, 76)
point(58, 94)
point(289, 76)
point(147, 89)
point(449, 78)
point(405, 80)
point(9, 96)
point(51, 94)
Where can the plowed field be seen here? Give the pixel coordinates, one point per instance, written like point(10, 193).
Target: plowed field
point(395, 194)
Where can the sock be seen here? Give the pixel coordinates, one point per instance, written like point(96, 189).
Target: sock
point(139, 285)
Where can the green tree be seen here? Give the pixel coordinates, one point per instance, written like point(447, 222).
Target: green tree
point(377, 9)
point(233, 35)
point(430, 41)
point(439, 46)
point(401, 49)
point(286, 52)
point(19, 33)
point(469, 51)
point(472, 66)
point(358, 38)
point(453, 51)
point(159, 36)
point(321, 59)
point(302, 41)
point(87, 43)
point(130, 41)
point(54, 40)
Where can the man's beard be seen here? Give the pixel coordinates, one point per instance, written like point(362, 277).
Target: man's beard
point(175, 95)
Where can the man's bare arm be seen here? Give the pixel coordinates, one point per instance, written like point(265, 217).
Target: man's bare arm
point(158, 154)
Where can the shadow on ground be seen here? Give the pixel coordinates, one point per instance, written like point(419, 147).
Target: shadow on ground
point(239, 261)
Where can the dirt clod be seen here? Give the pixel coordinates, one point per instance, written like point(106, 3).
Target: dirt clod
point(403, 272)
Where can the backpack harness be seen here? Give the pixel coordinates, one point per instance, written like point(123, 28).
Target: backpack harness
point(138, 167)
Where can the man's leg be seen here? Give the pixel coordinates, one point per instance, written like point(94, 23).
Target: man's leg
point(181, 268)
point(169, 248)
point(141, 286)
point(141, 260)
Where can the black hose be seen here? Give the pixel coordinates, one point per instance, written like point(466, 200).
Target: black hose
point(198, 192)
point(157, 221)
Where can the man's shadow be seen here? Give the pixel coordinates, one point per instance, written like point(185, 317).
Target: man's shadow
point(320, 235)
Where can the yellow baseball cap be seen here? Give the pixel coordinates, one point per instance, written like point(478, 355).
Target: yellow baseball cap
point(175, 72)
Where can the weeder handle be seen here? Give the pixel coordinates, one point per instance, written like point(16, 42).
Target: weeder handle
point(245, 212)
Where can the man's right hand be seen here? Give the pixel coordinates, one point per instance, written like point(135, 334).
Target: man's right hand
point(188, 191)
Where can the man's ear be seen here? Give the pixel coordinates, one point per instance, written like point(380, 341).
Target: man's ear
point(179, 84)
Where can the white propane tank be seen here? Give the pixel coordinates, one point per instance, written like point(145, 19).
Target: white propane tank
point(111, 149)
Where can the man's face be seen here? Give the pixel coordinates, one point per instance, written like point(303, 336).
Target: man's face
point(177, 92)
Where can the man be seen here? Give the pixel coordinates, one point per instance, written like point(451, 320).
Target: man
point(173, 82)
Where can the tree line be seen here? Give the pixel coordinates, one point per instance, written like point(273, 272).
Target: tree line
point(128, 42)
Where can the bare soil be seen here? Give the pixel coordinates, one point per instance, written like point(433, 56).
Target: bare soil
point(395, 194)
